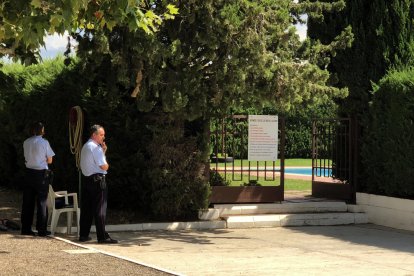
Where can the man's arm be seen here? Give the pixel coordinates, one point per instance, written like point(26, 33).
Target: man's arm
point(104, 147)
point(104, 167)
point(49, 160)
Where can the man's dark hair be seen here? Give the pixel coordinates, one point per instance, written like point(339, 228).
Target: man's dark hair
point(94, 129)
point(36, 128)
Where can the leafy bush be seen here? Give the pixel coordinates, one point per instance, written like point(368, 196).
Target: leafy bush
point(33, 93)
point(176, 172)
point(216, 179)
point(388, 148)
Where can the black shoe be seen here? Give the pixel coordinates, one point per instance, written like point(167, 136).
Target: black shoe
point(108, 240)
point(28, 233)
point(11, 224)
point(44, 234)
point(84, 239)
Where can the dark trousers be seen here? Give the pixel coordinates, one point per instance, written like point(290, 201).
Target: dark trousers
point(93, 206)
point(36, 188)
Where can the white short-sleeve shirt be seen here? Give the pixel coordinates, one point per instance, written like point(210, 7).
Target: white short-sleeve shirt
point(36, 150)
point(92, 157)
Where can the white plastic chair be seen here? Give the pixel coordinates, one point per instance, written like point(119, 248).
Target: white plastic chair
point(69, 209)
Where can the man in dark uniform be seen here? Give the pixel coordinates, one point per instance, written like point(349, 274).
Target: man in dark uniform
point(94, 191)
point(37, 154)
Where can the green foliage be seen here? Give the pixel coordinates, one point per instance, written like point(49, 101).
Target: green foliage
point(216, 179)
point(213, 57)
point(384, 38)
point(388, 149)
point(23, 24)
point(176, 172)
point(209, 58)
point(28, 94)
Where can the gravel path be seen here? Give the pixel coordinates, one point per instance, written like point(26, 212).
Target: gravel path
point(22, 255)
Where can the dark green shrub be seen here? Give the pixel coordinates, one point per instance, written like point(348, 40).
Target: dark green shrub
point(176, 171)
point(34, 93)
point(216, 179)
point(388, 148)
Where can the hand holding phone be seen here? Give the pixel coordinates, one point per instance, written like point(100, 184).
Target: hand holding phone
point(104, 147)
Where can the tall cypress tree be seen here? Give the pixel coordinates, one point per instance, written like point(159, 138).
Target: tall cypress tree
point(384, 40)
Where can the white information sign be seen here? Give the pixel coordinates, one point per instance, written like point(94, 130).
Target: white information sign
point(263, 138)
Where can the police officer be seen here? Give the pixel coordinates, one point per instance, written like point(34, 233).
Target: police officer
point(37, 154)
point(94, 191)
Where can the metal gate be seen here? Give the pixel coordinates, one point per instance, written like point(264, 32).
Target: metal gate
point(334, 148)
point(259, 182)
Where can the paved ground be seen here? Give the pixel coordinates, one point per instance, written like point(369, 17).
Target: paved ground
point(324, 250)
point(327, 250)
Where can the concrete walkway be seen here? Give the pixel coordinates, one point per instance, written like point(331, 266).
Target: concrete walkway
point(319, 250)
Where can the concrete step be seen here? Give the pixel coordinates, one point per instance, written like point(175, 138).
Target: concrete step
point(277, 220)
point(284, 207)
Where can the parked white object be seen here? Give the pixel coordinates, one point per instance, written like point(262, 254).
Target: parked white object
point(69, 209)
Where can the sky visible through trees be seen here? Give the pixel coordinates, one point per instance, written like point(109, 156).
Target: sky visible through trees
point(56, 44)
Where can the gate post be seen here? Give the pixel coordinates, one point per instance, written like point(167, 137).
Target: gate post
point(282, 155)
point(354, 128)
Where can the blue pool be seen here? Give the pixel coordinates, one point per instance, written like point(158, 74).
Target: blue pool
point(307, 171)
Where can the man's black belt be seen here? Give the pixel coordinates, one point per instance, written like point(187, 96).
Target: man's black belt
point(95, 174)
point(99, 177)
point(35, 170)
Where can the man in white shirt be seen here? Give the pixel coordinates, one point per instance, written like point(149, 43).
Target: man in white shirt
point(37, 154)
point(94, 191)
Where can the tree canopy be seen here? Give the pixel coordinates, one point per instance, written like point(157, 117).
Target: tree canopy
point(212, 56)
point(23, 24)
point(384, 40)
point(216, 56)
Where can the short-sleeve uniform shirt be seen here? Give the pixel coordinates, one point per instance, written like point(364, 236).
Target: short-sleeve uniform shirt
point(92, 157)
point(36, 150)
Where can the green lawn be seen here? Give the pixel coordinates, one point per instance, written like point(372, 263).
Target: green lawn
point(288, 162)
point(290, 184)
point(297, 185)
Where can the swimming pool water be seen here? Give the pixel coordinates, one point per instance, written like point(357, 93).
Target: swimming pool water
point(307, 171)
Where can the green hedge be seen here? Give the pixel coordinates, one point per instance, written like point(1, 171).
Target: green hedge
point(141, 147)
point(388, 148)
point(37, 92)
